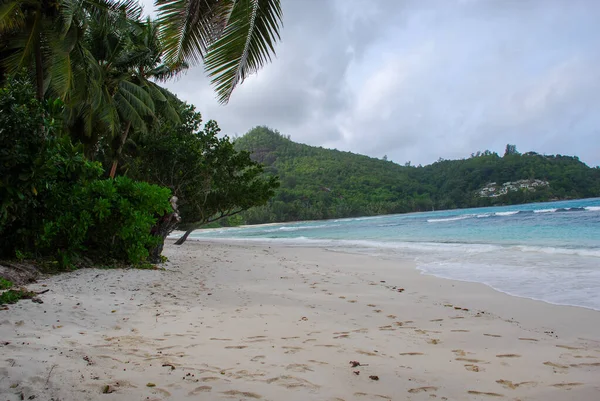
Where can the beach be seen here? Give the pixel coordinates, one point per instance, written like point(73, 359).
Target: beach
point(264, 321)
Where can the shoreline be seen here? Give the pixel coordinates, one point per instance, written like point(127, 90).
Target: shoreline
point(246, 321)
point(343, 247)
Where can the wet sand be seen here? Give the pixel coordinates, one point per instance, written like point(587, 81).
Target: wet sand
point(245, 321)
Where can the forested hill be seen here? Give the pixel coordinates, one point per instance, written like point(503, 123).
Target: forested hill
point(318, 183)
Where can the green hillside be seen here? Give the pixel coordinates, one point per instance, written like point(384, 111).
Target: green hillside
point(318, 183)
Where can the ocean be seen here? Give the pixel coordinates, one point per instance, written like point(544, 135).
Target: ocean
point(544, 251)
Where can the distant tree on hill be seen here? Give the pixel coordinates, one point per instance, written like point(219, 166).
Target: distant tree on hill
point(511, 150)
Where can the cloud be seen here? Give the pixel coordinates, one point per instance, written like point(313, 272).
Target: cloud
point(419, 80)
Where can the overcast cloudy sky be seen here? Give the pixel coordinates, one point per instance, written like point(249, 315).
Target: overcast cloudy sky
point(422, 79)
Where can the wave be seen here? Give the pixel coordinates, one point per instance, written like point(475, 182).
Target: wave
point(538, 285)
point(515, 212)
point(506, 213)
point(455, 218)
point(560, 251)
point(296, 228)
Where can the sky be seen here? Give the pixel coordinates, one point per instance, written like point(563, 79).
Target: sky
point(419, 80)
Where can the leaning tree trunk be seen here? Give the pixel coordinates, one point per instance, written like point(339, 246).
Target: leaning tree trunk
point(39, 70)
point(113, 169)
point(181, 240)
point(164, 226)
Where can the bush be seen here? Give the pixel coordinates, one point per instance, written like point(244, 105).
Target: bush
point(54, 202)
point(109, 219)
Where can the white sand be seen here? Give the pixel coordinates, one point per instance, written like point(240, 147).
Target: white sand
point(247, 321)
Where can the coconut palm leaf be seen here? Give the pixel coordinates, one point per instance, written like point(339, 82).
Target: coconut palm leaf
point(188, 27)
point(235, 38)
point(245, 45)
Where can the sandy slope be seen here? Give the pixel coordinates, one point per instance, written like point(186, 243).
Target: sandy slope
point(246, 322)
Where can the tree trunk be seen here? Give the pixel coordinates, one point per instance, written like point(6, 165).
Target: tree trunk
point(39, 70)
point(164, 226)
point(113, 169)
point(181, 240)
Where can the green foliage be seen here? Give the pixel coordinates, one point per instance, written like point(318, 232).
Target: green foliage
point(55, 202)
point(210, 178)
point(110, 219)
point(13, 296)
point(5, 284)
point(321, 183)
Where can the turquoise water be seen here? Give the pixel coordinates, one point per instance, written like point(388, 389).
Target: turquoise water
point(546, 251)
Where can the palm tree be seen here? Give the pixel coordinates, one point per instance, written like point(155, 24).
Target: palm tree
point(40, 35)
point(143, 66)
point(234, 38)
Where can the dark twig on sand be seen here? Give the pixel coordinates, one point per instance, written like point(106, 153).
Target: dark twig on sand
point(49, 373)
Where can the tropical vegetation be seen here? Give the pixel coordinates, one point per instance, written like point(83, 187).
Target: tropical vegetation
point(98, 160)
point(318, 183)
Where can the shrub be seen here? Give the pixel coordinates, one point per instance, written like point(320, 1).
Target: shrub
point(54, 202)
point(109, 219)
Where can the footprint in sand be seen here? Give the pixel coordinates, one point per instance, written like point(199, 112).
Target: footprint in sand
point(296, 367)
point(352, 301)
point(471, 360)
point(422, 389)
point(459, 352)
point(236, 347)
point(492, 335)
point(292, 350)
point(434, 341)
point(568, 347)
point(474, 392)
point(242, 393)
point(342, 336)
point(411, 353)
point(371, 305)
point(585, 365)
point(474, 368)
point(512, 386)
point(459, 331)
point(566, 386)
point(292, 382)
point(508, 356)
point(201, 389)
point(527, 339)
point(392, 316)
point(556, 365)
point(436, 320)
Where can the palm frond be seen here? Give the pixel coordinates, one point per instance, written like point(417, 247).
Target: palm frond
point(246, 44)
point(11, 16)
point(23, 44)
point(129, 112)
point(188, 27)
point(61, 64)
